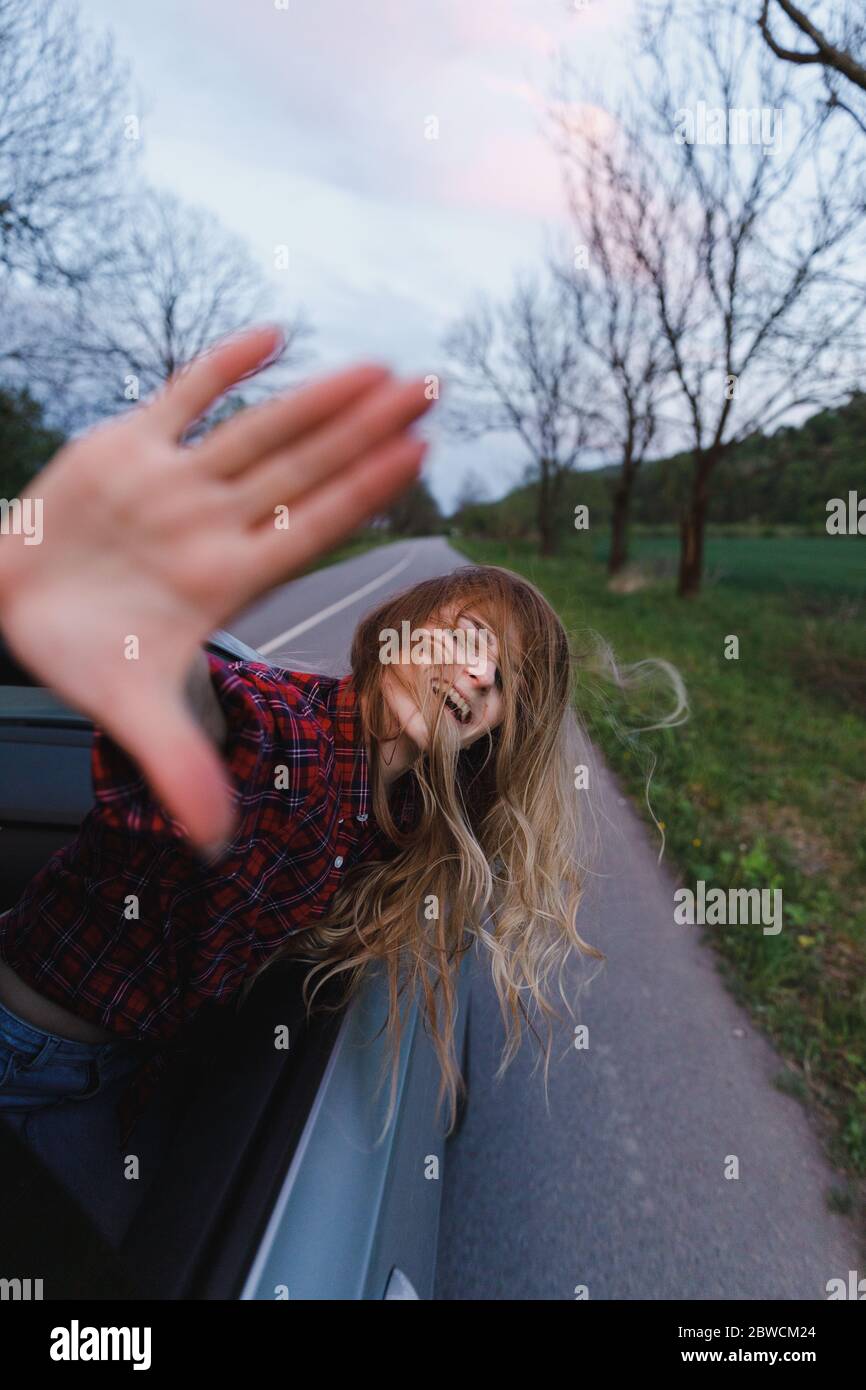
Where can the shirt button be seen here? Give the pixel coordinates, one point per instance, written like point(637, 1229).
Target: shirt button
point(338, 862)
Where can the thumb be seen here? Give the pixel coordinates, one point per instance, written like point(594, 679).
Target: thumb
point(180, 764)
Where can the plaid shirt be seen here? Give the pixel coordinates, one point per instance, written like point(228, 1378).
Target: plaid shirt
point(296, 754)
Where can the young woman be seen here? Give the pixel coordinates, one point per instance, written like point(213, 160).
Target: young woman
point(398, 815)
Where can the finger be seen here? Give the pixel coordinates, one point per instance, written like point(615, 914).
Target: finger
point(237, 443)
point(182, 768)
point(197, 385)
point(330, 513)
point(379, 418)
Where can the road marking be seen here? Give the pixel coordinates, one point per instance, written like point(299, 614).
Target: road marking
point(333, 608)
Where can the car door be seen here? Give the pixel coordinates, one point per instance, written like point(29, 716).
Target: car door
point(289, 1195)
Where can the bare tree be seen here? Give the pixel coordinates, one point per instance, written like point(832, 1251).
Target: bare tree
point(750, 245)
point(842, 58)
point(472, 502)
point(415, 512)
point(177, 283)
point(473, 489)
point(64, 127)
point(519, 368)
point(612, 299)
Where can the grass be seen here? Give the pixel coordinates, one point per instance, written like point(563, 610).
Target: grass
point(763, 787)
point(795, 566)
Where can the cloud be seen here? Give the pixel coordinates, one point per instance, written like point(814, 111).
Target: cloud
point(512, 173)
point(307, 126)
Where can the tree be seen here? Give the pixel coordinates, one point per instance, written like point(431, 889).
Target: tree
point(520, 368)
point(842, 58)
point(613, 310)
point(415, 512)
point(63, 129)
point(472, 513)
point(26, 442)
point(177, 283)
point(750, 247)
point(473, 489)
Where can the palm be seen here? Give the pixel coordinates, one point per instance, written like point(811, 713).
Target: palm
point(148, 545)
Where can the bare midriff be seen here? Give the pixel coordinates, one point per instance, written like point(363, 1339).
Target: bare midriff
point(26, 1003)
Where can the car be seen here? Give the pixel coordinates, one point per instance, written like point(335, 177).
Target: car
point(271, 1183)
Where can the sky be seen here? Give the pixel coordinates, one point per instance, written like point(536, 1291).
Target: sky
point(306, 124)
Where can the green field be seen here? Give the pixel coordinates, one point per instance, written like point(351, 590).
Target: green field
point(799, 564)
point(763, 787)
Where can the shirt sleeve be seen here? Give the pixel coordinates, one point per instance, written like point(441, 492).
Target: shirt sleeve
point(274, 754)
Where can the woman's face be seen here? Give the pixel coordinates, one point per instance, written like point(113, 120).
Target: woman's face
point(479, 683)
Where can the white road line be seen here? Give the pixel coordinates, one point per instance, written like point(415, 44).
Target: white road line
point(333, 608)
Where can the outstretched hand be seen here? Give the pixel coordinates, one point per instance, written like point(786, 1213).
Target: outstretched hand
point(148, 544)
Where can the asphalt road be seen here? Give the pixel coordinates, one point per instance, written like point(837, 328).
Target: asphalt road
point(619, 1186)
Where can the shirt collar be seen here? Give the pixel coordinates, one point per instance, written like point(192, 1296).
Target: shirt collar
point(351, 749)
point(351, 752)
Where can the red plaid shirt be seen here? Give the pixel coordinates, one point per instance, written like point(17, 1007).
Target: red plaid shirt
point(296, 755)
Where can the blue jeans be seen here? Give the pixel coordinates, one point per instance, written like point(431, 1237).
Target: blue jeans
point(60, 1097)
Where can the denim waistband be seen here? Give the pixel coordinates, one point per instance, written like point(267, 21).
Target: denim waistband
point(17, 1030)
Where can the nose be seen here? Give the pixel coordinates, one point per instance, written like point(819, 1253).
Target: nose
point(482, 672)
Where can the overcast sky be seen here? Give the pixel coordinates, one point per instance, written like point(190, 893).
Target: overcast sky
point(302, 123)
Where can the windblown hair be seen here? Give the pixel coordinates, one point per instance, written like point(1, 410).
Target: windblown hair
point(503, 840)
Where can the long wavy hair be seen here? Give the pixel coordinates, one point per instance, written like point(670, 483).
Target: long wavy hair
point(504, 836)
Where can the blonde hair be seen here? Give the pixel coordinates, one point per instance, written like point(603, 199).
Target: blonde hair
point(502, 841)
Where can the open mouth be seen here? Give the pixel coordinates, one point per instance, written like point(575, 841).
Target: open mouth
point(457, 705)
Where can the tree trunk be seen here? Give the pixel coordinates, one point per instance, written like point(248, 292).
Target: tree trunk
point(692, 527)
point(619, 521)
point(622, 503)
point(546, 529)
